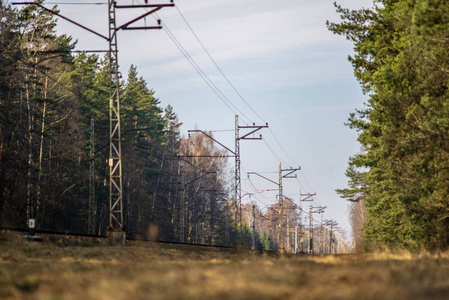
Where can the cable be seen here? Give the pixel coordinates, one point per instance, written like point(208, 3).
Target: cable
point(282, 148)
point(198, 69)
point(274, 153)
point(235, 90)
point(255, 188)
point(203, 75)
point(305, 180)
point(224, 130)
point(218, 92)
point(200, 72)
point(232, 86)
point(300, 184)
point(216, 65)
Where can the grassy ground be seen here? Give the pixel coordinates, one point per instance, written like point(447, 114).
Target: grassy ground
point(60, 268)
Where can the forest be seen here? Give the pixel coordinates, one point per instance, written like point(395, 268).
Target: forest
point(54, 135)
point(399, 182)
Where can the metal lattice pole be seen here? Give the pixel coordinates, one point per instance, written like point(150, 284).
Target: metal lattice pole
point(281, 215)
point(92, 200)
point(238, 188)
point(116, 230)
point(310, 231)
point(254, 227)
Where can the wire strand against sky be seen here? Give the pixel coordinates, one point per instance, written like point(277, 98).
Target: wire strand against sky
point(220, 94)
point(282, 148)
point(203, 75)
point(237, 92)
point(300, 184)
point(305, 180)
point(198, 69)
point(216, 65)
point(274, 153)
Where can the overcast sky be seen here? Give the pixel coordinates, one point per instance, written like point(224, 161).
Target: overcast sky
point(281, 59)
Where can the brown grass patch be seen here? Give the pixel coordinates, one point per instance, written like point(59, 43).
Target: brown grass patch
point(53, 270)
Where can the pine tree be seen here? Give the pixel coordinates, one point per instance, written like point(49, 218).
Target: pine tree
point(400, 62)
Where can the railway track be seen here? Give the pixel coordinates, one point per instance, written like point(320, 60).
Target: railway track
point(70, 238)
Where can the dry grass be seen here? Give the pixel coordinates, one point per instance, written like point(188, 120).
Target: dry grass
point(58, 269)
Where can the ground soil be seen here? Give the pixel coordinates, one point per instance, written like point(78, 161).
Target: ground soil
point(73, 268)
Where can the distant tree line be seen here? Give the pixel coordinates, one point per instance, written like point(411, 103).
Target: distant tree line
point(400, 180)
point(175, 188)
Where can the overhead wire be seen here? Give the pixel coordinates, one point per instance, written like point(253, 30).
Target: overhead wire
point(223, 130)
point(300, 184)
point(235, 90)
point(253, 185)
point(219, 93)
point(274, 153)
point(203, 75)
point(198, 69)
point(216, 65)
point(282, 148)
point(305, 180)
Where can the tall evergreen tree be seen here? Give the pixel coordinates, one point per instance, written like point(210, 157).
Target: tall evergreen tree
point(400, 61)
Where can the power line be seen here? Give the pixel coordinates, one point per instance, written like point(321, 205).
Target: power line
point(255, 188)
point(199, 70)
point(305, 180)
point(216, 65)
point(300, 184)
point(235, 90)
point(223, 130)
point(233, 87)
point(219, 93)
point(274, 153)
point(202, 74)
point(282, 148)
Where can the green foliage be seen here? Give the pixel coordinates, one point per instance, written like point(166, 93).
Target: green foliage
point(48, 98)
point(263, 242)
point(401, 62)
